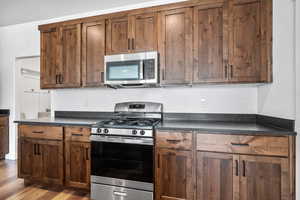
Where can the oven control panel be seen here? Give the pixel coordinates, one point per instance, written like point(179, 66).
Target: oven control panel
point(122, 132)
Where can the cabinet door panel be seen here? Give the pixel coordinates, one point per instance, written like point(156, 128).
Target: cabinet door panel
point(49, 58)
point(264, 178)
point(217, 178)
point(210, 43)
point(174, 175)
point(144, 32)
point(93, 52)
point(25, 161)
point(52, 161)
point(175, 46)
point(245, 41)
point(78, 164)
point(118, 35)
point(71, 56)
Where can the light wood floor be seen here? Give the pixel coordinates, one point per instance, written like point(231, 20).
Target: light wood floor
point(12, 188)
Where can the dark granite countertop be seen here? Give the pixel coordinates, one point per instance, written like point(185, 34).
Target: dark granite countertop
point(60, 121)
point(4, 112)
point(238, 128)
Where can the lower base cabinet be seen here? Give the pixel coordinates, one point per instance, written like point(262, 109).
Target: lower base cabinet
point(264, 174)
point(41, 160)
point(78, 164)
point(174, 180)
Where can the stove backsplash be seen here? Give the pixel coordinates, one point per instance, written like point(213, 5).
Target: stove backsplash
point(209, 99)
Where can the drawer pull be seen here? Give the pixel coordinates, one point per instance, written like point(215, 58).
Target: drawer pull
point(38, 132)
point(244, 168)
point(239, 144)
point(173, 141)
point(77, 134)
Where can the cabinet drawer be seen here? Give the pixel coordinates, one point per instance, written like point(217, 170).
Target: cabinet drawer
point(174, 140)
point(256, 145)
point(3, 121)
point(41, 132)
point(77, 134)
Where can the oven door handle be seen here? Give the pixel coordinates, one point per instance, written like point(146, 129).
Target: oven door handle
point(122, 194)
point(120, 140)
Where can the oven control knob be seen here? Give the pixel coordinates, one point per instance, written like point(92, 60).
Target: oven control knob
point(134, 132)
point(99, 130)
point(106, 131)
point(142, 132)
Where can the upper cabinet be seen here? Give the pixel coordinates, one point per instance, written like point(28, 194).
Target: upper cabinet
point(49, 58)
point(175, 43)
point(93, 52)
point(199, 42)
point(250, 40)
point(128, 34)
point(61, 57)
point(210, 43)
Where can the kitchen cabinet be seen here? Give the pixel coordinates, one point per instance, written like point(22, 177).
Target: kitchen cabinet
point(61, 57)
point(174, 175)
point(93, 52)
point(49, 58)
point(41, 154)
point(132, 33)
point(4, 136)
point(250, 36)
point(264, 178)
point(175, 44)
point(216, 176)
point(215, 41)
point(77, 154)
point(70, 56)
point(174, 166)
point(210, 43)
point(41, 160)
point(193, 165)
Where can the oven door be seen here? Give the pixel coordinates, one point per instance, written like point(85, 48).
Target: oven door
point(122, 164)
point(124, 72)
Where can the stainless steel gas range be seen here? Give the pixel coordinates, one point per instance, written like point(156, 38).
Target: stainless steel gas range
point(122, 153)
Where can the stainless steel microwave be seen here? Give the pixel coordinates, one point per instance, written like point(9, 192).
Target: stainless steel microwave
point(129, 70)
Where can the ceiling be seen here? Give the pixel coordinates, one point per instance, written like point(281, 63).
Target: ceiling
point(21, 11)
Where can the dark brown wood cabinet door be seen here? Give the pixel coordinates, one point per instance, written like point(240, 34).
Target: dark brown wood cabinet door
point(245, 41)
point(210, 43)
point(117, 32)
point(78, 164)
point(264, 178)
point(52, 161)
point(70, 56)
point(174, 171)
point(26, 152)
point(144, 32)
point(93, 52)
point(217, 176)
point(49, 58)
point(175, 42)
point(4, 137)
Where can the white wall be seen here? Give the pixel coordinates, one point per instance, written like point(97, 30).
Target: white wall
point(213, 99)
point(278, 99)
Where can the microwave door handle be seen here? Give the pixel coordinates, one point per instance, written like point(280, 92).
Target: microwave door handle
point(141, 70)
